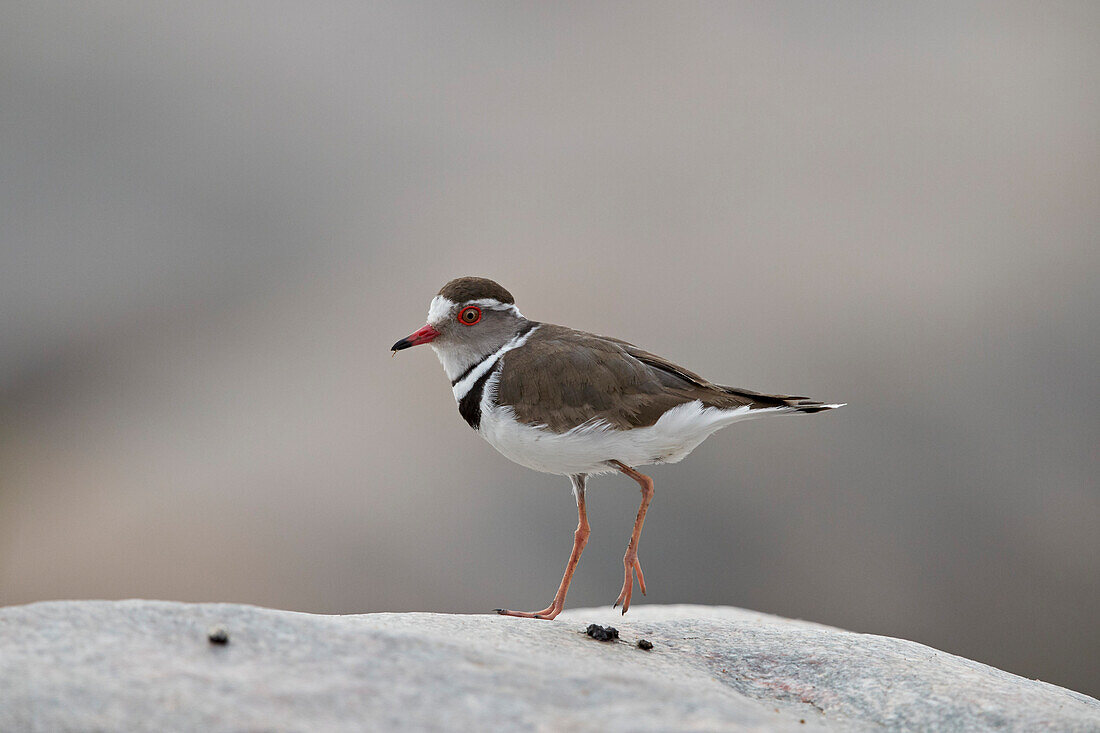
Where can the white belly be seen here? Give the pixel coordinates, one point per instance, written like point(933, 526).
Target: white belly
point(588, 448)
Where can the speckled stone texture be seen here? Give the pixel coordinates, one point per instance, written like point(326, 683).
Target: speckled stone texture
point(150, 665)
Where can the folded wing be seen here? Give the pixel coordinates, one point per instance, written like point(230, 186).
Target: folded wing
point(563, 379)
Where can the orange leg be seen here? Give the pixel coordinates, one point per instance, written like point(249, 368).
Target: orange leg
point(580, 539)
point(630, 559)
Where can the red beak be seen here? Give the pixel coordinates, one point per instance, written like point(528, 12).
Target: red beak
point(425, 335)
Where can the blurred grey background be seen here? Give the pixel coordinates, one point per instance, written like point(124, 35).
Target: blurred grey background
point(215, 219)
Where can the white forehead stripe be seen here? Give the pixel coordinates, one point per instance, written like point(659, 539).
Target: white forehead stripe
point(467, 383)
point(441, 307)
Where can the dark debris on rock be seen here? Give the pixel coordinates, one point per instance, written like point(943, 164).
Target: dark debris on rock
point(602, 633)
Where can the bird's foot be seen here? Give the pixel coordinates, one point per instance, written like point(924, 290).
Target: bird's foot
point(631, 566)
point(547, 614)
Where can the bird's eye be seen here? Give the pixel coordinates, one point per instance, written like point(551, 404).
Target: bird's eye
point(469, 315)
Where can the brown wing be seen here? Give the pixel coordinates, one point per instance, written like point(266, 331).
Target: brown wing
point(563, 378)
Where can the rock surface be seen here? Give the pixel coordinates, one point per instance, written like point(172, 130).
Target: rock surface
point(159, 666)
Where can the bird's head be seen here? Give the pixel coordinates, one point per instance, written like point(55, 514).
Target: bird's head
point(469, 319)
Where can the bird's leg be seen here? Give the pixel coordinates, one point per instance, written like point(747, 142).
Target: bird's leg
point(580, 539)
point(630, 559)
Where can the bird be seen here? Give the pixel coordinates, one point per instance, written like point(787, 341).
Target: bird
point(567, 402)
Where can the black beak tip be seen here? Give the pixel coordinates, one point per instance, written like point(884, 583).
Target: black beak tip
point(402, 344)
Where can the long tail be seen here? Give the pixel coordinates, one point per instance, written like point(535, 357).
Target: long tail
point(797, 404)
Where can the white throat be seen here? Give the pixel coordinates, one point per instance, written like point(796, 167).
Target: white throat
point(455, 361)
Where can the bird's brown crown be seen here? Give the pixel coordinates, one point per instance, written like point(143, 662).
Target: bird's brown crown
point(462, 289)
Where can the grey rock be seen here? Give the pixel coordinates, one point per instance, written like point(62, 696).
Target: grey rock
point(149, 665)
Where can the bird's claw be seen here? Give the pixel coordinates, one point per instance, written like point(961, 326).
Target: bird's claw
point(631, 565)
point(546, 614)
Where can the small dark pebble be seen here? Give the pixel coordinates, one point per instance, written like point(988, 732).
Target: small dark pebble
point(645, 644)
point(217, 635)
point(600, 633)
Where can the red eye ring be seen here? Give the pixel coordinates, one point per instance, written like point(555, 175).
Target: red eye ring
point(469, 315)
